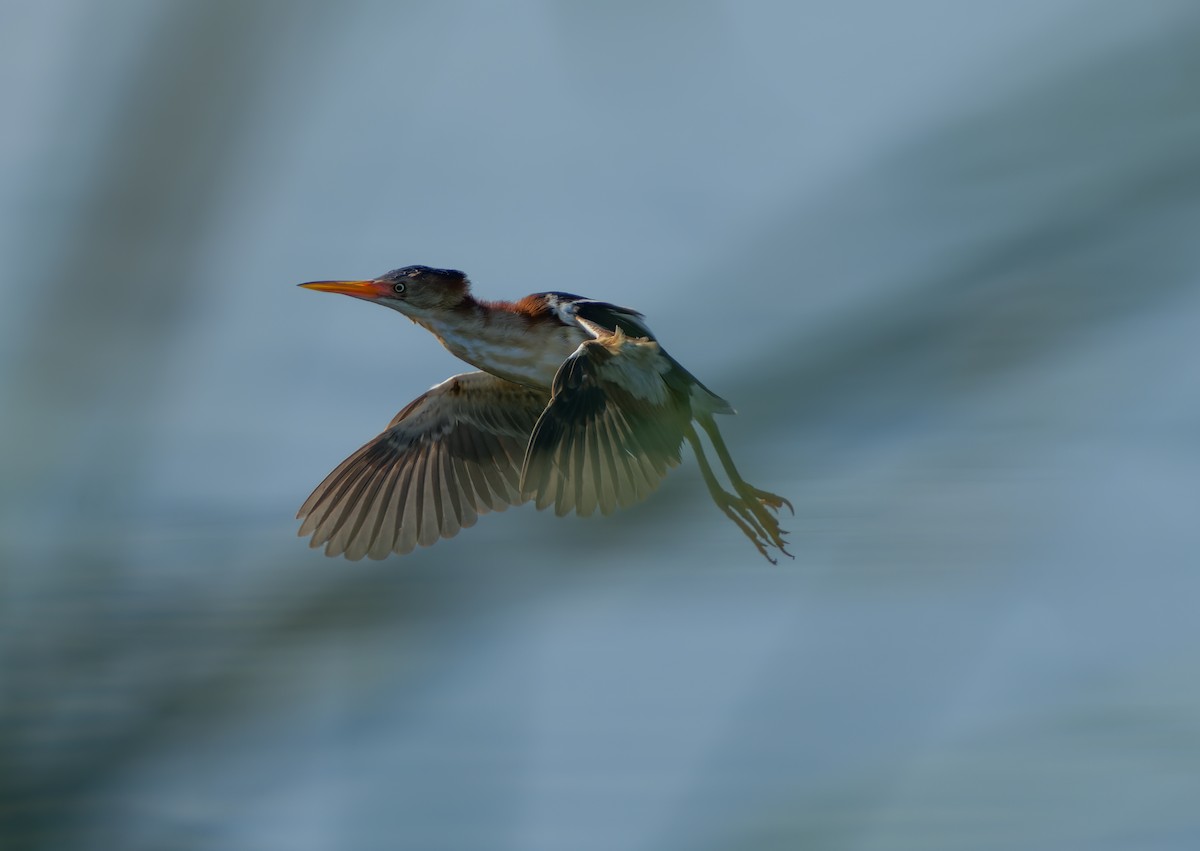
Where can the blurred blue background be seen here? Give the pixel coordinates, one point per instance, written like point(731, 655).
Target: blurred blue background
point(943, 258)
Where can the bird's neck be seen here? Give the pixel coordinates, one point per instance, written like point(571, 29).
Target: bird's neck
point(521, 341)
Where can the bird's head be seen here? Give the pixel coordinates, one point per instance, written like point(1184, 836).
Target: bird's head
point(416, 291)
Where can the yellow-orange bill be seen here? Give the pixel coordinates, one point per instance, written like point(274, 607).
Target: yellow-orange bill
point(360, 289)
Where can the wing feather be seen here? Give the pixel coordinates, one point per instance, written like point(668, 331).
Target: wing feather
point(589, 483)
point(427, 501)
point(614, 427)
point(467, 510)
point(387, 528)
point(348, 536)
point(450, 455)
point(406, 530)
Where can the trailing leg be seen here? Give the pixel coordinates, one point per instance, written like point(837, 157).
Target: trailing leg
point(746, 508)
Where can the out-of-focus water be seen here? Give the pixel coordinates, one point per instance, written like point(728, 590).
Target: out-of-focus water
point(942, 258)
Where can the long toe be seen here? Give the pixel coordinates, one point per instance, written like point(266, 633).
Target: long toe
point(751, 515)
point(763, 506)
point(772, 500)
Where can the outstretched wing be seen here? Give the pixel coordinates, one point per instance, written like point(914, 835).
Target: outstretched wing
point(614, 426)
point(453, 453)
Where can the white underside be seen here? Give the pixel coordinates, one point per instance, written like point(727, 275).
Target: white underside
point(505, 352)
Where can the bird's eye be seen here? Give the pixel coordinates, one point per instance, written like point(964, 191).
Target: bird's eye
point(398, 287)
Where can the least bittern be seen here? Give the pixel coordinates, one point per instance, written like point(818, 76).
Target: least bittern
point(577, 406)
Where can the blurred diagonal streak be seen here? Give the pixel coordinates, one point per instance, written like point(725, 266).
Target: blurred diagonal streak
point(109, 315)
point(1075, 198)
point(1081, 195)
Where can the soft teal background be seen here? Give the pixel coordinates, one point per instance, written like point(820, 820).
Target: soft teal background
point(943, 257)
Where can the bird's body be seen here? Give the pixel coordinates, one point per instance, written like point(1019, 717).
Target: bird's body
point(525, 342)
point(576, 405)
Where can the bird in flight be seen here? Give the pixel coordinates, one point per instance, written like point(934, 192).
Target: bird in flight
point(576, 405)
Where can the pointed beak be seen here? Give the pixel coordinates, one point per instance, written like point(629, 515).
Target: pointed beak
point(358, 289)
